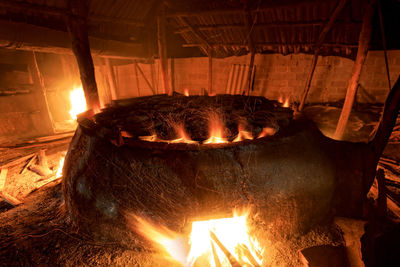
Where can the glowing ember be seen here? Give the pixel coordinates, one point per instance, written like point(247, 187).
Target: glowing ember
point(216, 130)
point(267, 131)
point(78, 102)
point(217, 242)
point(186, 92)
point(286, 104)
point(183, 137)
point(243, 135)
point(150, 138)
point(60, 167)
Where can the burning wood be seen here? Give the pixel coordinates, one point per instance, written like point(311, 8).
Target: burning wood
point(215, 242)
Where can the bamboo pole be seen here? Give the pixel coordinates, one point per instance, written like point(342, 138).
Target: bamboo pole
point(318, 45)
point(38, 80)
point(145, 78)
point(384, 42)
point(364, 39)
point(162, 51)
point(111, 79)
point(77, 27)
point(137, 78)
point(210, 78)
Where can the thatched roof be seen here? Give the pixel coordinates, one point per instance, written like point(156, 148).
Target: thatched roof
point(225, 26)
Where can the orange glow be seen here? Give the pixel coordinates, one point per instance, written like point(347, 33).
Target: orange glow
point(280, 99)
point(286, 104)
point(243, 135)
point(60, 167)
point(216, 130)
point(78, 102)
point(183, 137)
point(150, 138)
point(209, 242)
point(186, 92)
point(267, 131)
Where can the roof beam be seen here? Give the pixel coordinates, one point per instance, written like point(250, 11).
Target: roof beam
point(263, 25)
point(23, 36)
point(206, 47)
point(272, 5)
point(23, 7)
point(271, 44)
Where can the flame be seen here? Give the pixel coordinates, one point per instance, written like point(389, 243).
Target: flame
point(267, 131)
point(183, 137)
point(286, 104)
point(216, 130)
point(280, 99)
point(150, 138)
point(216, 242)
point(78, 102)
point(60, 167)
point(243, 135)
point(186, 92)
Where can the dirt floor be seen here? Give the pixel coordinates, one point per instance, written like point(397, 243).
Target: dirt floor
point(37, 232)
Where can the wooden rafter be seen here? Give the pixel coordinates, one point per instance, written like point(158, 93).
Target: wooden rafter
point(248, 21)
point(321, 39)
point(265, 25)
point(364, 40)
point(205, 44)
point(25, 7)
point(272, 44)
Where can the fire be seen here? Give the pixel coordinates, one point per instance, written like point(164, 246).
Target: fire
point(183, 137)
point(216, 242)
point(243, 135)
point(267, 131)
point(150, 138)
point(186, 92)
point(78, 102)
point(286, 104)
point(216, 130)
point(60, 167)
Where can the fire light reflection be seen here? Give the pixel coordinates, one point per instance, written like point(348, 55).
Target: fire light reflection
point(216, 242)
point(78, 102)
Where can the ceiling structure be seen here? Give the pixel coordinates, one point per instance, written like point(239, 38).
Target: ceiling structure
point(225, 28)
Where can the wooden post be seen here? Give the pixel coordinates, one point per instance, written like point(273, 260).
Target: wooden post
point(38, 81)
point(137, 77)
point(384, 42)
point(210, 89)
point(145, 78)
point(162, 51)
point(382, 203)
point(363, 43)
point(77, 27)
point(318, 45)
point(111, 79)
point(250, 74)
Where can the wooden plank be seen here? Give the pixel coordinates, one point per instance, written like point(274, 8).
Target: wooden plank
point(384, 42)
point(17, 161)
point(77, 26)
point(364, 40)
point(3, 176)
point(137, 78)
point(10, 199)
point(210, 72)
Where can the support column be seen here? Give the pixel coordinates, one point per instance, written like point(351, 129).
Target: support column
point(210, 89)
point(77, 27)
point(363, 43)
point(162, 51)
point(111, 79)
